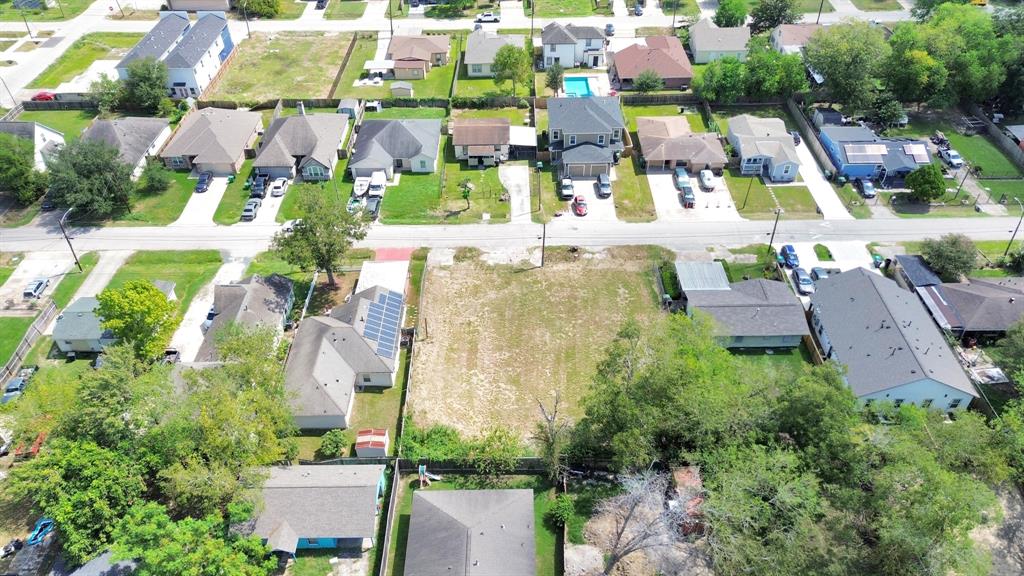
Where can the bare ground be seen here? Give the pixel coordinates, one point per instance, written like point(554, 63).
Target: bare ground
point(1005, 541)
point(496, 337)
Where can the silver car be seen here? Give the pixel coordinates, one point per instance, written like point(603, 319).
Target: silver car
point(707, 180)
point(250, 210)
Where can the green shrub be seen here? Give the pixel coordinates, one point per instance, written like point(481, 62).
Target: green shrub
point(562, 511)
point(333, 444)
point(670, 281)
point(435, 443)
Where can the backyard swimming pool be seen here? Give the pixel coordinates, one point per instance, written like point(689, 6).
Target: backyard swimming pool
point(577, 86)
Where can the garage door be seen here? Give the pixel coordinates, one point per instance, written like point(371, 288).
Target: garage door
point(577, 170)
point(596, 169)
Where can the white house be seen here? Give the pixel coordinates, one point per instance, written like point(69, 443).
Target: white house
point(573, 46)
point(46, 141)
point(791, 38)
point(765, 147)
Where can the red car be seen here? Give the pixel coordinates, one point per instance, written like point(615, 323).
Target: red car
point(44, 97)
point(579, 206)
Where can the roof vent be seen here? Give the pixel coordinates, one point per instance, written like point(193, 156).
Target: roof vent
point(1012, 299)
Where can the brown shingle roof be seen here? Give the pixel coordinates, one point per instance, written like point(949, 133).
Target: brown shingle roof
point(670, 138)
point(480, 131)
point(416, 47)
point(663, 54)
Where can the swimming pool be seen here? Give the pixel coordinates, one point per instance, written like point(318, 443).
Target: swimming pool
point(577, 86)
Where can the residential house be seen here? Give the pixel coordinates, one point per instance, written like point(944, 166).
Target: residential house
point(891, 348)
point(857, 152)
point(911, 272)
point(586, 134)
point(481, 141)
point(45, 140)
point(314, 507)
point(257, 301)
point(79, 328)
point(573, 46)
point(303, 145)
point(199, 5)
point(765, 147)
point(193, 54)
point(213, 140)
point(979, 309)
point(104, 565)
point(667, 143)
point(334, 356)
point(791, 38)
point(395, 145)
point(414, 56)
point(137, 139)
point(663, 55)
point(481, 47)
point(709, 42)
point(471, 533)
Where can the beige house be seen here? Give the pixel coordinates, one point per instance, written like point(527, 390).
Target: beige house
point(481, 141)
point(667, 143)
point(414, 56)
point(213, 140)
point(709, 42)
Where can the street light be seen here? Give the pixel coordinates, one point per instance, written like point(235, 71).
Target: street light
point(245, 16)
point(1007, 251)
point(68, 240)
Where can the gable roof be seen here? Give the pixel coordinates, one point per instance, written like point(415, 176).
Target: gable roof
point(26, 130)
point(917, 270)
point(705, 36)
point(79, 321)
point(482, 45)
point(669, 138)
point(418, 47)
point(755, 307)
point(309, 137)
point(323, 501)
point(763, 137)
point(986, 304)
point(883, 334)
point(197, 41)
point(255, 301)
point(214, 135)
point(594, 115)
point(481, 131)
point(555, 33)
point(380, 142)
point(471, 533)
point(663, 54)
point(131, 136)
point(161, 38)
point(795, 34)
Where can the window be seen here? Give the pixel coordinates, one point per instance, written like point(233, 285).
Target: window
point(423, 164)
point(600, 139)
point(572, 140)
point(548, 61)
point(954, 404)
point(315, 171)
point(785, 170)
point(477, 69)
point(589, 42)
point(615, 134)
point(366, 379)
point(465, 150)
point(898, 402)
point(555, 134)
point(927, 403)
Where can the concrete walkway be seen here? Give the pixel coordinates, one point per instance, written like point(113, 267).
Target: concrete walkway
point(825, 196)
point(98, 278)
point(516, 180)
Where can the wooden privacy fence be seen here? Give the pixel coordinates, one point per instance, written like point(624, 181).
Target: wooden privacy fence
point(35, 330)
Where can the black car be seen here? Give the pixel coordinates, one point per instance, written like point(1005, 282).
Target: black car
point(372, 208)
point(321, 4)
point(48, 205)
point(796, 137)
point(260, 183)
point(203, 184)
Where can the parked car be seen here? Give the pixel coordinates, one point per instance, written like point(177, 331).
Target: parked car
point(789, 256)
point(638, 10)
point(803, 282)
point(579, 205)
point(210, 315)
point(321, 4)
point(609, 29)
point(687, 198)
point(98, 361)
point(565, 190)
point(252, 206)
point(43, 527)
point(260, 183)
point(867, 189)
point(796, 137)
point(488, 17)
point(603, 186)
point(681, 179)
point(707, 180)
point(289, 225)
point(279, 187)
point(818, 273)
point(44, 96)
point(952, 157)
point(372, 208)
point(27, 372)
point(15, 387)
point(35, 288)
point(203, 184)
point(48, 205)
point(171, 355)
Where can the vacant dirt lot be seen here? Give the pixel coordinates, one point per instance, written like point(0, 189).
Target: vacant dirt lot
point(496, 337)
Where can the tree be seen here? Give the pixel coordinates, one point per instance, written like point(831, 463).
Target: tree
point(263, 8)
point(333, 444)
point(146, 84)
point(89, 176)
point(926, 183)
point(551, 435)
point(887, 109)
point(771, 74)
point(84, 488)
point(18, 175)
point(724, 81)
point(1009, 353)
point(512, 64)
point(155, 179)
point(494, 454)
point(963, 39)
point(640, 521)
point(107, 93)
point(951, 257)
point(140, 315)
point(648, 81)
point(848, 55)
point(910, 72)
point(323, 236)
point(553, 77)
point(924, 8)
point(161, 546)
point(730, 13)
point(767, 14)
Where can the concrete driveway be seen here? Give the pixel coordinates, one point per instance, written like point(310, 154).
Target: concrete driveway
point(200, 208)
point(50, 265)
point(268, 211)
point(845, 256)
point(713, 206)
point(101, 274)
point(824, 194)
point(598, 209)
point(189, 335)
point(516, 180)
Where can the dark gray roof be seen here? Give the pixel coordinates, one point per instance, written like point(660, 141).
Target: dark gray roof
point(917, 270)
point(309, 137)
point(883, 334)
point(160, 38)
point(482, 45)
point(471, 533)
point(103, 565)
point(594, 115)
point(849, 133)
point(555, 33)
point(197, 41)
point(829, 116)
point(588, 153)
point(26, 130)
point(323, 501)
point(131, 136)
point(702, 276)
point(756, 307)
point(380, 142)
point(895, 159)
point(986, 304)
point(255, 301)
point(80, 322)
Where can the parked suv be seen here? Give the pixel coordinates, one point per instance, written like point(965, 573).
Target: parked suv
point(259, 186)
point(867, 189)
point(789, 256)
point(604, 186)
point(372, 208)
point(35, 288)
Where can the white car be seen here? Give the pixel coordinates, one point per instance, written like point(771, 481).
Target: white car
point(290, 225)
point(279, 187)
point(565, 191)
point(952, 157)
point(707, 180)
point(488, 17)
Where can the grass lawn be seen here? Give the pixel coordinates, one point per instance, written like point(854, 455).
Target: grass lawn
point(485, 196)
point(501, 336)
point(364, 50)
point(159, 209)
point(71, 123)
point(631, 191)
point(313, 562)
point(737, 271)
point(229, 211)
point(12, 329)
point(854, 202)
point(417, 265)
point(806, 6)
point(67, 10)
point(877, 5)
point(80, 55)
point(750, 195)
point(437, 84)
point(190, 270)
point(73, 279)
point(797, 202)
point(902, 205)
point(485, 87)
point(563, 8)
point(978, 150)
point(290, 10)
point(516, 116)
point(283, 65)
point(8, 262)
point(290, 205)
point(14, 215)
point(823, 253)
point(1011, 189)
point(345, 10)
point(398, 112)
point(633, 112)
point(380, 408)
point(416, 200)
point(785, 364)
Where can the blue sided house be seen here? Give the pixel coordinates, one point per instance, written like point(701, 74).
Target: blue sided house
point(312, 507)
point(857, 153)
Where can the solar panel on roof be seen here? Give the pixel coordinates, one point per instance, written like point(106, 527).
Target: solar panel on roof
point(382, 326)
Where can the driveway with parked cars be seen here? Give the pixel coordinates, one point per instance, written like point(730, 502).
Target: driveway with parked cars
point(709, 206)
point(598, 209)
point(201, 206)
point(845, 256)
point(189, 336)
point(36, 265)
point(267, 213)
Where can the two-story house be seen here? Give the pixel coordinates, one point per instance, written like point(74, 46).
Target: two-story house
point(572, 46)
point(586, 134)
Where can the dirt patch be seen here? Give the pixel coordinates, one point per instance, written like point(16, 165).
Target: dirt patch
point(583, 560)
point(326, 297)
point(1005, 541)
point(493, 339)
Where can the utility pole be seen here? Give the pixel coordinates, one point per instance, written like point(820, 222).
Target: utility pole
point(747, 195)
point(245, 16)
point(25, 20)
point(1007, 251)
point(14, 101)
point(67, 239)
point(119, 8)
point(543, 242)
point(391, 16)
point(967, 171)
point(61, 9)
point(675, 7)
point(778, 212)
point(820, 8)
point(533, 12)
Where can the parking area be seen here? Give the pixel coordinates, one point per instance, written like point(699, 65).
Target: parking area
point(189, 335)
point(49, 265)
point(711, 206)
point(598, 209)
point(268, 211)
point(200, 208)
point(845, 256)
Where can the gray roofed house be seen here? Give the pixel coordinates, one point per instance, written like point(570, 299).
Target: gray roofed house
point(891, 348)
point(78, 328)
point(198, 41)
point(302, 144)
point(701, 275)
point(912, 272)
point(324, 506)
point(586, 134)
point(159, 42)
point(46, 141)
point(136, 138)
point(570, 45)
point(212, 139)
point(708, 42)
point(390, 145)
point(982, 308)
point(754, 313)
point(349, 106)
point(104, 565)
point(256, 301)
point(482, 46)
point(471, 533)
point(765, 147)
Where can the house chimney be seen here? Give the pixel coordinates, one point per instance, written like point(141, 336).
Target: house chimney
point(302, 108)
